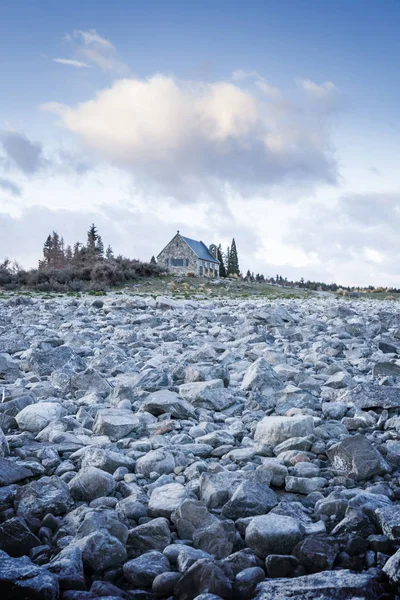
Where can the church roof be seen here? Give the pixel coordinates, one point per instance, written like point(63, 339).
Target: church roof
point(200, 250)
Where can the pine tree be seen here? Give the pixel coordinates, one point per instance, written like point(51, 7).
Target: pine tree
point(92, 236)
point(233, 262)
point(109, 253)
point(153, 260)
point(77, 253)
point(99, 249)
point(222, 270)
point(46, 253)
point(68, 254)
point(226, 260)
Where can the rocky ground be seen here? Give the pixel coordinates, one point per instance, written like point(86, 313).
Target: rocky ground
point(154, 448)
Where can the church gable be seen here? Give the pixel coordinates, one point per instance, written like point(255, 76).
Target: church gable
point(184, 255)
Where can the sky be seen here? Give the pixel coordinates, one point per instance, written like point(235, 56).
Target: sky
point(275, 122)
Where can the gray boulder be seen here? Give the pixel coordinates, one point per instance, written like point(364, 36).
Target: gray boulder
point(117, 423)
point(44, 362)
point(275, 430)
point(261, 377)
point(388, 518)
point(165, 401)
point(46, 495)
point(392, 568)
point(273, 534)
point(367, 396)
point(12, 472)
point(142, 571)
point(16, 538)
point(217, 488)
point(68, 566)
point(203, 577)
point(158, 461)
point(249, 499)
point(190, 516)
point(20, 579)
point(356, 457)
point(101, 551)
point(154, 535)
point(36, 417)
point(328, 585)
point(164, 500)
point(91, 483)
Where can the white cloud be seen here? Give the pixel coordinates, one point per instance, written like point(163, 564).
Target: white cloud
point(318, 90)
point(92, 37)
point(91, 49)
point(187, 135)
point(72, 63)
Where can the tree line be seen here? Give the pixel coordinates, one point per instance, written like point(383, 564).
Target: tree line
point(83, 266)
point(228, 260)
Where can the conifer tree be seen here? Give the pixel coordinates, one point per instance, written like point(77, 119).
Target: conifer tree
point(222, 270)
point(226, 261)
point(68, 254)
point(153, 260)
point(46, 252)
point(99, 249)
point(233, 261)
point(109, 252)
point(92, 236)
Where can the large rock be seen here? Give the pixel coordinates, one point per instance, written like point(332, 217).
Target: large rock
point(392, 568)
point(155, 461)
point(164, 500)
point(68, 566)
point(165, 401)
point(44, 362)
point(36, 417)
point(261, 377)
point(273, 534)
point(4, 448)
point(91, 483)
point(154, 535)
point(328, 585)
point(101, 551)
point(388, 518)
point(142, 571)
point(16, 538)
point(190, 516)
point(367, 396)
point(274, 430)
point(217, 488)
point(9, 368)
point(106, 460)
point(250, 499)
point(12, 472)
point(21, 579)
point(46, 495)
point(117, 423)
point(217, 538)
point(356, 457)
point(203, 577)
point(316, 553)
point(207, 394)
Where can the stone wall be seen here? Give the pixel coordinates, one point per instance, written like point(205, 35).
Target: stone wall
point(177, 249)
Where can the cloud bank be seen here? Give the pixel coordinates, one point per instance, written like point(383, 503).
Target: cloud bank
point(177, 134)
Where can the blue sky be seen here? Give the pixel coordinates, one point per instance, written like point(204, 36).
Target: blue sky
point(218, 118)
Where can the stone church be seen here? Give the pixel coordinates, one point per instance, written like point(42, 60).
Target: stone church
point(183, 255)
